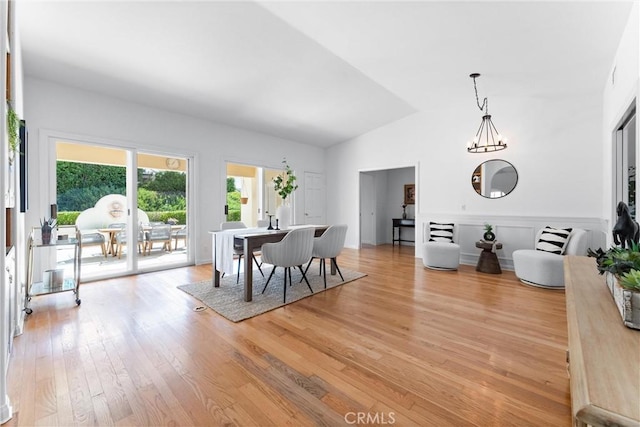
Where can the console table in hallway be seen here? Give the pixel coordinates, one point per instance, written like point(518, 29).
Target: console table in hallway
point(401, 223)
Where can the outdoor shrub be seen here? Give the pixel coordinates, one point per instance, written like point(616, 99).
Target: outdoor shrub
point(67, 218)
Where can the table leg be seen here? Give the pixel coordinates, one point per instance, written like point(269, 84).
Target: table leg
point(214, 269)
point(248, 270)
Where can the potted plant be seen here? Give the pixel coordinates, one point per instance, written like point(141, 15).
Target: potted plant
point(46, 227)
point(285, 185)
point(13, 129)
point(622, 270)
point(489, 236)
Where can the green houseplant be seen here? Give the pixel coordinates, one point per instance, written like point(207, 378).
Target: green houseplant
point(13, 128)
point(624, 264)
point(284, 184)
point(489, 236)
point(621, 266)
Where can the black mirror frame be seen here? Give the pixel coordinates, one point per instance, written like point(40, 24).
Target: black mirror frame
point(474, 182)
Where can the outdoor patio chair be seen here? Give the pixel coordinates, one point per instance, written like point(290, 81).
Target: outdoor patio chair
point(180, 234)
point(121, 240)
point(158, 233)
point(94, 239)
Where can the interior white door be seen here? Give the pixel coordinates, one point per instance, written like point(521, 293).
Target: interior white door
point(367, 210)
point(314, 193)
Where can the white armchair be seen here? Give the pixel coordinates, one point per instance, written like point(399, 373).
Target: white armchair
point(439, 252)
point(292, 251)
point(545, 269)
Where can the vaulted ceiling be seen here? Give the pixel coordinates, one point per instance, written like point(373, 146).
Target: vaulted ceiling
point(321, 72)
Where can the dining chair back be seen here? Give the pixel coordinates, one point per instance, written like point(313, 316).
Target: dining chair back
point(329, 245)
point(294, 250)
point(238, 249)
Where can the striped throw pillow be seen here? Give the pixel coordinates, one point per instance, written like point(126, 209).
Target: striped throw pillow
point(553, 240)
point(440, 232)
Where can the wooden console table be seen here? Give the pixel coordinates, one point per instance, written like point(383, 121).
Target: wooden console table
point(603, 354)
point(400, 223)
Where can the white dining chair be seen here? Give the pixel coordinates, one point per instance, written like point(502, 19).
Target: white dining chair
point(294, 250)
point(329, 245)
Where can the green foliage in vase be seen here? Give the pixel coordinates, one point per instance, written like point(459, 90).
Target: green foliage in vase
point(285, 183)
point(621, 263)
point(488, 228)
point(630, 280)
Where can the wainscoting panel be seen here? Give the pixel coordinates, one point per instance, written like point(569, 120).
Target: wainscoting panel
point(513, 232)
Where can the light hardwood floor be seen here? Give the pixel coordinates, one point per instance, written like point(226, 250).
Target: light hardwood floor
point(404, 346)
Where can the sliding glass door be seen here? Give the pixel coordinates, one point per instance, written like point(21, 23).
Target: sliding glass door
point(624, 165)
point(130, 207)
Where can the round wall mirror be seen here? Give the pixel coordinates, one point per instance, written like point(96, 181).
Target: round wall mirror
point(494, 179)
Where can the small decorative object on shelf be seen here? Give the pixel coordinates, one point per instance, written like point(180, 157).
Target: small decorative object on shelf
point(488, 236)
point(626, 231)
point(46, 226)
point(270, 227)
point(404, 211)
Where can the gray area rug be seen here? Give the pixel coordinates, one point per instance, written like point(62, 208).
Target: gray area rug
point(228, 300)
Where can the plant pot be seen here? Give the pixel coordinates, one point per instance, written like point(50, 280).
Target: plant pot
point(244, 200)
point(627, 302)
point(46, 234)
point(489, 236)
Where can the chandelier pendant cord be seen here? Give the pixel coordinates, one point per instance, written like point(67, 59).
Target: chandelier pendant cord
point(485, 102)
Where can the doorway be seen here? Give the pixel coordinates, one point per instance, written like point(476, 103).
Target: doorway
point(381, 200)
point(251, 196)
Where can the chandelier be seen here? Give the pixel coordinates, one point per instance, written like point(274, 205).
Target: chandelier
point(487, 138)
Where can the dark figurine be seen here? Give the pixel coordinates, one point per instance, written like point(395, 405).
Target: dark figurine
point(626, 230)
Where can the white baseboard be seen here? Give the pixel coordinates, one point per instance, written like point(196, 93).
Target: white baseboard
point(6, 412)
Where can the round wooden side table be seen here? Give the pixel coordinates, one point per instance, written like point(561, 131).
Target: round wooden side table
point(488, 261)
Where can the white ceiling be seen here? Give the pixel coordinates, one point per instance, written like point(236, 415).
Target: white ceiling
point(321, 72)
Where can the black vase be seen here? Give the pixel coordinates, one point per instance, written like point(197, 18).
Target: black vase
point(489, 236)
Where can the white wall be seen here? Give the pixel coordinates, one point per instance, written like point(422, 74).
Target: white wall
point(52, 109)
point(619, 93)
point(554, 146)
